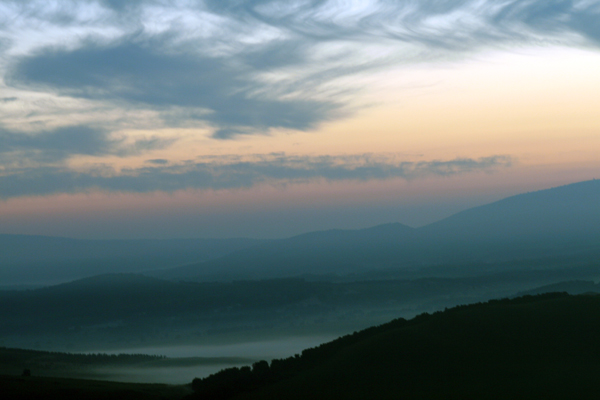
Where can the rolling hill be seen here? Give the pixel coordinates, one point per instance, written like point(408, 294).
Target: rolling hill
point(324, 252)
point(558, 222)
point(132, 310)
point(47, 260)
point(562, 222)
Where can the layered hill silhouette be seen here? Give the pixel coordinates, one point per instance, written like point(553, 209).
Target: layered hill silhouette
point(533, 347)
point(558, 222)
point(571, 287)
point(119, 310)
point(138, 300)
point(325, 252)
point(43, 259)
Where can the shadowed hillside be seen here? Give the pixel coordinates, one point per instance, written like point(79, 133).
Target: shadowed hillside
point(132, 310)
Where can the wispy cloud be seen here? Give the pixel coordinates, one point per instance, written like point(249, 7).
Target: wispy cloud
point(453, 24)
point(57, 145)
point(250, 66)
point(231, 172)
point(142, 75)
point(232, 68)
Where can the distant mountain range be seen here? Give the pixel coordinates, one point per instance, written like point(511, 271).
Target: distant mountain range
point(552, 213)
point(28, 259)
point(561, 222)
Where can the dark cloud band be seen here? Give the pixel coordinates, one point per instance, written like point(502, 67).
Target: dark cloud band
point(55, 145)
point(231, 172)
point(142, 75)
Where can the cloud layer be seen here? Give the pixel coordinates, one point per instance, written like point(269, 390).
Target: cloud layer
point(141, 74)
point(252, 66)
point(57, 145)
point(231, 68)
point(232, 172)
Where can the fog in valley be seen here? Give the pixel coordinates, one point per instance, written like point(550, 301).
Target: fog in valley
point(191, 361)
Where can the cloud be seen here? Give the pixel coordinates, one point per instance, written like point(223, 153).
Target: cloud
point(59, 144)
point(232, 172)
point(143, 75)
point(446, 23)
point(158, 161)
point(248, 67)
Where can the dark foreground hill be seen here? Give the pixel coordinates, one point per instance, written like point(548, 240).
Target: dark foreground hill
point(533, 347)
point(558, 222)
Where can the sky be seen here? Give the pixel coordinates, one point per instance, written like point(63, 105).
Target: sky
point(268, 118)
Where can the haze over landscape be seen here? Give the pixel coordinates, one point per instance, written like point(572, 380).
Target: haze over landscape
point(265, 199)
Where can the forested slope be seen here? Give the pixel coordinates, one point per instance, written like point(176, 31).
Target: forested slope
point(542, 346)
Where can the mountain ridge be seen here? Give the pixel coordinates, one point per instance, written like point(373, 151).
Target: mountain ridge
point(45, 259)
point(560, 221)
point(514, 228)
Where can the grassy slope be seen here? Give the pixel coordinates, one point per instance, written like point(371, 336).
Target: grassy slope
point(534, 347)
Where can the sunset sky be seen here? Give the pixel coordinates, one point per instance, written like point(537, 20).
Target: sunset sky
point(163, 119)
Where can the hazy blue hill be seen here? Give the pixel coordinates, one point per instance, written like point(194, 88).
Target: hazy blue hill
point(121, 309)
point(391, 231)
point(96, 300)
point(39, 259)
point(542, 347)
point(125, 306)
point(558, 222)
point(571, 287)
point(15, 248)
point(134, 299)
point(571, 211)
point(555, 222)
point(107, 284)
point(323, 252)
